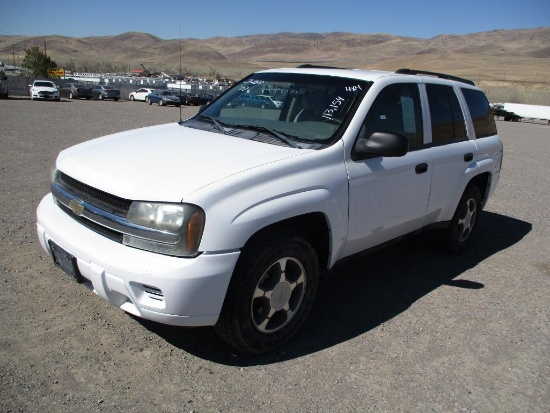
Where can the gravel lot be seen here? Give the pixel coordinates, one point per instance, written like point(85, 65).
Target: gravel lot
point(407, 329)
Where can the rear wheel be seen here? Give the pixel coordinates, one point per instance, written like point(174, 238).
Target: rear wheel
point(465, 220)
point(271, 293)
point(100, 96)
point(132, 98)
point(71, 96)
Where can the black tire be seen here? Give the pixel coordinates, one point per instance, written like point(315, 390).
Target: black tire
point(115, 99)
point(271, 292)
point(132, 98)
point(71, 96)
point(149, 101)
point(100, 96)
point(465, 221)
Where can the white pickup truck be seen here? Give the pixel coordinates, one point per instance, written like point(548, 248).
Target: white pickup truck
point(230, 218)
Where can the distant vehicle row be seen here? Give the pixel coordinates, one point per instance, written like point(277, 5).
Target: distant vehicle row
point(165, 97)
point(48, 90)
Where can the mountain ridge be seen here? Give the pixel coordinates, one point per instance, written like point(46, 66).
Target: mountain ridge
point(522, 54)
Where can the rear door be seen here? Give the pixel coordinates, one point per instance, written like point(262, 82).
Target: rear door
point(452, 152)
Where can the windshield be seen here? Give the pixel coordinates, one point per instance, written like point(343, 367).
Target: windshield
point(44, 84)
point(300, 110)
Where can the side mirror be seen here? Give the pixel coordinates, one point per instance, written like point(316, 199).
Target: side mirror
point(382, 143)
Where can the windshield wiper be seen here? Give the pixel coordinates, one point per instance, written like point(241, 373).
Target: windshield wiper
point(282, 137)
point(216, 123)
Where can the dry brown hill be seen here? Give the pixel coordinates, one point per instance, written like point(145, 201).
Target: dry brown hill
point(497, 56)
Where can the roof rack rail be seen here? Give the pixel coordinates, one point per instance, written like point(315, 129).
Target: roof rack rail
point(310, 66)
point(440, 75)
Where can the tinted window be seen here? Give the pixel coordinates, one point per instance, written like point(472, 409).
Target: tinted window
point(446, 117)
point(397, 109)
point(481, 113)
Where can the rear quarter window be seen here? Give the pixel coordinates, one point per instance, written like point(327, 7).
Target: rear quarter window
point(480, 112)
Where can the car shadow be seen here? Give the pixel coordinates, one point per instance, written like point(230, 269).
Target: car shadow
point(364, 292)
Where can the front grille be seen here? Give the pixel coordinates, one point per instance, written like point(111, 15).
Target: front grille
point(99, 199)
point(106, 232)
point(103, 200)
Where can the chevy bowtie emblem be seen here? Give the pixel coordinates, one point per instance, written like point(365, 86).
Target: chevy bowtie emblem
point(76, 207)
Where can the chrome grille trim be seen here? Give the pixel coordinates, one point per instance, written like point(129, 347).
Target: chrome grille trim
point(110, 220)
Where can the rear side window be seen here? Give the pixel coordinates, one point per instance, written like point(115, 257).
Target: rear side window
point(397, 109)
point(481, 113)
point(447, 120)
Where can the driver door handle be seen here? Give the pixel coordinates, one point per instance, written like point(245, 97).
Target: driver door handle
point(421, 168)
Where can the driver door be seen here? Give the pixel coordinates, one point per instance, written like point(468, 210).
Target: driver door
point(388, 196)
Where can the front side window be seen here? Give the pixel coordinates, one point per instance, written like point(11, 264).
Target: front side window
point(287, 109)
point(481, 113)
point(446, 116)
point(397, 109)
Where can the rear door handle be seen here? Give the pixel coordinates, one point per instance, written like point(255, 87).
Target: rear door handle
point(468, 157)
point(421, 168)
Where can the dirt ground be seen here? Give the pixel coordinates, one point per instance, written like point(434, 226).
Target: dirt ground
point(406, 329)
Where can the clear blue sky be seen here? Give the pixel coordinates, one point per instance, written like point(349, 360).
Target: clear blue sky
point(204, 19)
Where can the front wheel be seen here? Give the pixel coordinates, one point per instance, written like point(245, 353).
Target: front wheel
point(465, 221)
point(271, 293)
point(71, 96)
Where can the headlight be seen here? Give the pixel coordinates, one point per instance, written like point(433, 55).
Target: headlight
point(176, 229)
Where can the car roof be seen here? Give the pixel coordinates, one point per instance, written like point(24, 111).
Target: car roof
point(371, 75)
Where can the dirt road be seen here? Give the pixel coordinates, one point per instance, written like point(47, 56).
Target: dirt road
point(407, 329)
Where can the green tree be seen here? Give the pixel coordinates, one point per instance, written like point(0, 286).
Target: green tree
point(37, 63)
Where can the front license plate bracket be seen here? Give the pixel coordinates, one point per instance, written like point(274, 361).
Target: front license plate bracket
point(65, 261)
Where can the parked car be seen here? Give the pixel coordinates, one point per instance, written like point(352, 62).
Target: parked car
point(190, 99)
point(164, 98)
point(44, 90)
point(205, 98)
point(140, 94)
point(4, 87)
point(267, 102)
point(233, 217)
point(103, 92)
point(247, 99)
point(75, 91)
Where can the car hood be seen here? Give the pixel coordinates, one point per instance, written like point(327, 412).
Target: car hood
point(166, 162)
point(44, 88)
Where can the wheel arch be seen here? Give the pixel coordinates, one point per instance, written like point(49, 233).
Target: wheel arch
point(483, 182)
point(314, 227)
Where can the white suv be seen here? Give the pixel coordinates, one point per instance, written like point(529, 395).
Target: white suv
point(229, 218)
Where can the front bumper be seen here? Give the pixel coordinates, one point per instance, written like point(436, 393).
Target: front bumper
point(45, 95)
point(169, 290)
